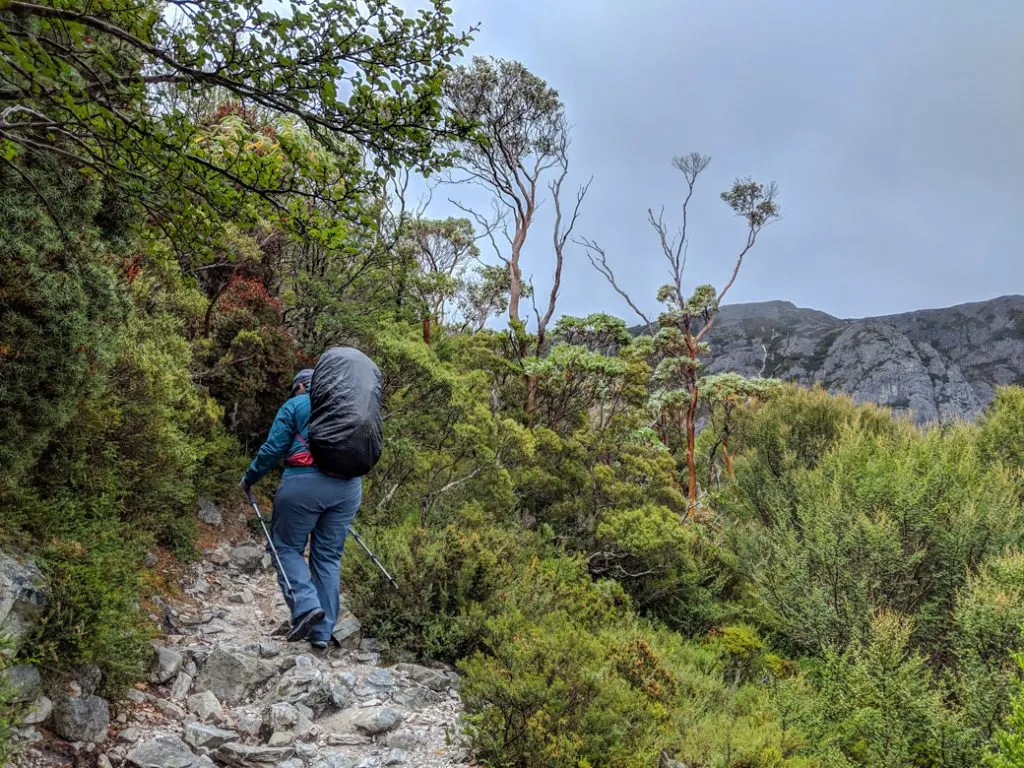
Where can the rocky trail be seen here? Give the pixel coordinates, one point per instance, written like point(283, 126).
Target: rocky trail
point(226, 689)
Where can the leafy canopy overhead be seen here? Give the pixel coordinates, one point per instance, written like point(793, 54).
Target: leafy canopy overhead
point(124, 89)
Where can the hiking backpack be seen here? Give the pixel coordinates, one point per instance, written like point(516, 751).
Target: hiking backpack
point(345, 425)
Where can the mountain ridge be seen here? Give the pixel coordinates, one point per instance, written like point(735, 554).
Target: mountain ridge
point(939, 364)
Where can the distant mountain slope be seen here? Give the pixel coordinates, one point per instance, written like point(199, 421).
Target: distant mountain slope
point(940, 364)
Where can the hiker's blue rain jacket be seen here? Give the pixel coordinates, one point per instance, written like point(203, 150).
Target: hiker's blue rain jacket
point(292, 420)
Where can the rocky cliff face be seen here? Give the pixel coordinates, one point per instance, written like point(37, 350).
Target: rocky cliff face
point(939, 364)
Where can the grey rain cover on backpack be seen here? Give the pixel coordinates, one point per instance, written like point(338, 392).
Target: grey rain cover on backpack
point(345, 428)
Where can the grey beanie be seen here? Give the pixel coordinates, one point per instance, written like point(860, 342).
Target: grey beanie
point(302, 377)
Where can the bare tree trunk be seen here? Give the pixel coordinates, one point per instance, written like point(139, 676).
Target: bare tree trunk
point(426, 330)
point(691, 449)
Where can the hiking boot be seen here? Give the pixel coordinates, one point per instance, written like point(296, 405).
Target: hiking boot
point(304, 625)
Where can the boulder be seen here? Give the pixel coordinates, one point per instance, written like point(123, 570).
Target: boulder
point(250, 725)
point(169, 709)
point(207, 737)
point(243, 755)
point(304, 684)
point(396, 757)
point(205, 706)
point(81, 718)
point(24, 682)
point(381, 679)
point(371, 721)
point(182, 685)
point(209, 513)
point(163, 752)
point(425, 676)
point(231, 674)
point(247, 558)
point(23, 596)
point(347, 632)
point(166, 664)
point(39, 712)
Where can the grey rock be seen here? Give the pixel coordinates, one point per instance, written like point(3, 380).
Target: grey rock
point(371, 644)
point(205, 706)
point(129, 735)
point(293, 763)
point(150, 560)
point(169, 709)
point(207, 737)
point(219, 557)
point(249, 725)
point(182, 685)
point(243, 755)
point(280, 716)
point(396, 757)
point(381, 678)
point(306, 685)
point(166, 664)
point(231, 674)
point(347, 632)
point(404, 738)
point(334, 761)
point(190, 667)
point(341, 695)
point(23, 681)
point(136, 696)
point(163, 752)
point(281, 739)
point(23, 596)
point(347, 679)
point(306, 750)
point(425, 676)
point(39, 712)
point(209, 513)
point(245, 597)
point(269, 649)
point(102, 761)
point(81, 718)
point(415, 698)
point(371, 721)
point(247, 558)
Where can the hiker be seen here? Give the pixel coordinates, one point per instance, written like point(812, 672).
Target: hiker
point(309, 506)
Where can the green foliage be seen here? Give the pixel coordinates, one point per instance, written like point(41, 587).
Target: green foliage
point(58, 297)
point(9, 709)
point(353, 79)
point(1006, 749)
point(1002, 430)
point(449, 579)
point(881, 705)
point(882, 522)
point(986, 636)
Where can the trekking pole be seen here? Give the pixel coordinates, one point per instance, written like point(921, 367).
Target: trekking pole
point(373, 557)
point(273, 549)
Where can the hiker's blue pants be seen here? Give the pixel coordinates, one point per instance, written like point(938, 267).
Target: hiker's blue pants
point(312, 507)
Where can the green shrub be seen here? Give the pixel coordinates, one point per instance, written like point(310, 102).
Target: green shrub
point(882, 521)
point(987, 625)
point(884, 707)
point(448, 580)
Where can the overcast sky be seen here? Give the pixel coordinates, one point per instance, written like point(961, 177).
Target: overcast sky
point(894, 129)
